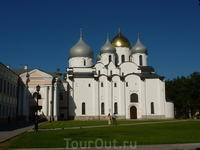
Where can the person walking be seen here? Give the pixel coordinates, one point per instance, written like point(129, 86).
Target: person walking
point(109, 119)
point(114, 119)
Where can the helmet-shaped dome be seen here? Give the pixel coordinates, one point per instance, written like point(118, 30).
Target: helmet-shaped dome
point(138, 48)
point(120, 40)
point(98, 57)
point(108, 48)
point(81, 49)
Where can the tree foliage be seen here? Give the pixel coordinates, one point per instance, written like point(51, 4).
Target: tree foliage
point(185, 92)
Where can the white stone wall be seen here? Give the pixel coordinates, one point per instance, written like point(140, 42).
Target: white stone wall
point(115, 84)
point(105, 58)
point(83, 94)
point(123, 51)
point(152, 95)
point(169, 110)
point(133, 86)
point(104, 93)
point(136, 59)
point(128, 68)
point(80, 62)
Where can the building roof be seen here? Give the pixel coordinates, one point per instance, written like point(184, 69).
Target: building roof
point(21, 71)
point(98, 57)
point(108, 48)
point(120, 40)
point(81, 49)
point(8, 68)
point(138, 48)
point(149, 75)
point(146, 69)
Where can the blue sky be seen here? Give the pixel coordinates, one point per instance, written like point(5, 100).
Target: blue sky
point(40, 33)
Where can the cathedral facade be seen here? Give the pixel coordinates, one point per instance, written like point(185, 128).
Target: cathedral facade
point(120, 82)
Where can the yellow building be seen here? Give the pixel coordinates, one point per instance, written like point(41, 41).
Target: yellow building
point(52, 95)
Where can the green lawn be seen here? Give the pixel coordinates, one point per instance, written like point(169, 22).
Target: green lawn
point(142, 134)
point(67, 124)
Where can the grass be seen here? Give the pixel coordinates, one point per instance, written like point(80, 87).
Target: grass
point(65, 124)
point(143, 134)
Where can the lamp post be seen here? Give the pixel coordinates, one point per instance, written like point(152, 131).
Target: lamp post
point(50, 112)
point(36, 115)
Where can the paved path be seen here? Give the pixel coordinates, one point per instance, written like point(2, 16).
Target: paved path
point(8, 131)
point(186, 146)
point(100, 126)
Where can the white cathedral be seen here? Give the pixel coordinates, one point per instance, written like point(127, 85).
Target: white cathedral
point(120, 82)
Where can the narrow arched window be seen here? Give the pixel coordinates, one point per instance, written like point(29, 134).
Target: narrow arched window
point(111, 72)
point(115, 108)
point(102, 109)
point(134, 97)
point(1, 85)
point(8, 87)
point(99, 72)
point(115, 84)
point(0, 110)
point(84, 62)
point(101, 84)
point(140, 60)
point(110, 58)
point(152, 108)
point(83, 108)
point(4, 87)
point(123, 58)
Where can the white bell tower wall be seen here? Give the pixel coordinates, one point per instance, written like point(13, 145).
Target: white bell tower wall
point(123, 54)
point(107, 57)
point(140, 59)
point(80, 62)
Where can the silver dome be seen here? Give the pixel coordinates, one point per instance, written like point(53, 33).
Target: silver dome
point(98, 57)
point(138, 48)
point(108, 48)
point(81, 49)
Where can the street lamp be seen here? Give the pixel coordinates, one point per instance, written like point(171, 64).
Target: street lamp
point(36, 116)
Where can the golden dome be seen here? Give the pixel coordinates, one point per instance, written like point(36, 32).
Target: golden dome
point(120, 40)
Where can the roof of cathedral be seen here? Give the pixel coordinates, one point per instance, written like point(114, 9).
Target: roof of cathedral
point(138, 47)
point(148, 72)
point(108, 48)
point(98, 57)
point(120, 40)
point(146, 69)
point(81, 49)
point(149, 75)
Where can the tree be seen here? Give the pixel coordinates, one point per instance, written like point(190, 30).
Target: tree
point(185, 92)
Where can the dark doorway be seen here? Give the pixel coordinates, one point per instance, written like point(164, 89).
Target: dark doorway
point(133, 112)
